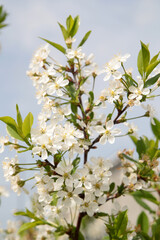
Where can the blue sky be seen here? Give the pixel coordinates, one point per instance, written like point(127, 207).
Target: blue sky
point(117, 27)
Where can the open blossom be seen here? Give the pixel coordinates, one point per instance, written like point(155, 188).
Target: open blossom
point(77, 53)
point(107, 133)
point(111, 70)
point(150, 111)
point(138, 92)
point(39, 58)
point(122, 58)
point(3, 140)
point(56, 86)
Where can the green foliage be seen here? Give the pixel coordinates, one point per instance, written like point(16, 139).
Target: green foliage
point(84, 38)
point(56, 45)
point(152, 80)
point(156, 229)
point(147, 146)
point(21, 129)
point(143, 59)
point(143, 222)
point(27, 125)
point(72, 26)
point(156, 128)
point(145, 65)
point(3, 16)
point(142, 195)
point(117, 228)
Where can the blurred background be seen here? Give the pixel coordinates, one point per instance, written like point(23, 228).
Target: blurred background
point(117, 27)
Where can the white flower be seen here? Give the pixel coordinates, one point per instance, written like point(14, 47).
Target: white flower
point(63, 171)
point(70, 195)
point(138, 92)
point(56, 86)
point(89, 205)
point(132, 128)
point(150, 111)
point(3, 140)
point(39, 58)
point(123, 58)
point(111, 70)
point(107, 134)
point(71, 53)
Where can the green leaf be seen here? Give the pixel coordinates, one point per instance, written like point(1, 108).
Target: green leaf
point(69, 23)
point(143, 222)
point(13, 133)
point(156, 229)
point(121, 223)
point(74, 108)
point(100, 214)
point(134, 139)
point(28, 213)
point(111, 187)
point(9, 121)
point(84, 38)
point(64, 31)
point(143, 59)
point(151, 67)
point(75, 26)
point(19, 117)
point(156, 128)
point(152, 80)
point(3, 16)
point(29, 225)
point(56, 45)
point(154, 59)
point(143, 204)
point(106, 238)
point(27, 124)
point(141, 148)
point(147, 195)
point(131, 159)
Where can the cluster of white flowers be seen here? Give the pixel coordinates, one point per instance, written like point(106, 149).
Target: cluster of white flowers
point(11, 173)
point(83, 187)
point(130, 177)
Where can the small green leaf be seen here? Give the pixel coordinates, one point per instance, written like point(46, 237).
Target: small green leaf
point(111, 187)
point(152, 80)
point(143, 59)
point(131, 159)
point(13, 133)
point(69, 23)
point(151, 67)
point(143, 204)
point(74, 108)
point(143, 222)
point(121, 223)
point(9, 121)
point(19, 117)
point(154, 59)
point(156, 128)
point(64, 31)
point(84, 38)
point(56, 45)
point(141, 148)
point(29, 225)
point(146, 195)
point(75, 26)
point(156, 229)
point(27, 124)
point(134, 139)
